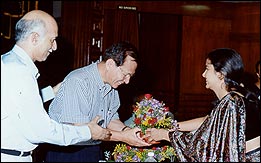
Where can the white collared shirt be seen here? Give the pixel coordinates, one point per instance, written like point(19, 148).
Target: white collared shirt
point(24, 121)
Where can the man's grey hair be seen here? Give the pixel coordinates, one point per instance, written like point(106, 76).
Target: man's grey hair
point(25, 27)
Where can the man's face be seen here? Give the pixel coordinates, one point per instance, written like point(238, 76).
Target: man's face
point(123, 73)
point(47, 43)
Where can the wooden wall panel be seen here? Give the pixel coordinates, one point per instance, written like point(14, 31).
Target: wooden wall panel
point(250, 53)
point(200, 36)
point(246, 18)
point(118, 29)
point(159, 53)
point(245, 36)
point(75, 28)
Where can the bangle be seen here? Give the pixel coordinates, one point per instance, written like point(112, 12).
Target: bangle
point(124, 128)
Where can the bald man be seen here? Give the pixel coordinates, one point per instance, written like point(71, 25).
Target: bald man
point(24, 121)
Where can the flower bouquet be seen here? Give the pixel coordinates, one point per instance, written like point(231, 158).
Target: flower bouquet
point(126, 153)
point(151, 113)
point(148, 113)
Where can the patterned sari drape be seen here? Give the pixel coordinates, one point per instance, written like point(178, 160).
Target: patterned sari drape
point(221, 137)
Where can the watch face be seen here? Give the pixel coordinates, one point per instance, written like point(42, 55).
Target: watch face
point(100, 122)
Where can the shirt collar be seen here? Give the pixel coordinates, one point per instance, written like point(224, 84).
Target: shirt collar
point(26, 60)
point(105, 88)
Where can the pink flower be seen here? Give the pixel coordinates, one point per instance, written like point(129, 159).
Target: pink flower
point(166, 109)
point(147, 96)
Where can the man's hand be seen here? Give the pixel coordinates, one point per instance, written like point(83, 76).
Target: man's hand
point(97, 132)
point(132, 137)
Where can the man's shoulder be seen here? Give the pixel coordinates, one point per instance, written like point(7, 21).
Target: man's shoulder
point(10, 59)
point(82, 72)
point(13, 64)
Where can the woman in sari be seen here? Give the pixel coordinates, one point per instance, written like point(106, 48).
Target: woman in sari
point(231, 132)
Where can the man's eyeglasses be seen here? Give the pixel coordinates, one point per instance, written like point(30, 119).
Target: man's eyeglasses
point(125, 74)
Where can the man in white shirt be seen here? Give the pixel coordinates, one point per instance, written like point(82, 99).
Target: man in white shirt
point(24, 121)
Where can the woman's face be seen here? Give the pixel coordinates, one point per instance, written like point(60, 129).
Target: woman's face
point(213, 78)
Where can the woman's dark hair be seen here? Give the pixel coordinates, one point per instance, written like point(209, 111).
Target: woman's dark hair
point(229, 62)
point(118, 52)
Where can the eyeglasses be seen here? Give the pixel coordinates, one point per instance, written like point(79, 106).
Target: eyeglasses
point(125, 74)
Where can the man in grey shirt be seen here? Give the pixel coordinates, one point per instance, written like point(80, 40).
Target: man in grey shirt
point(90, 91)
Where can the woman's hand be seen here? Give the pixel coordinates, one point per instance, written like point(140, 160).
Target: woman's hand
point(153, 134)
